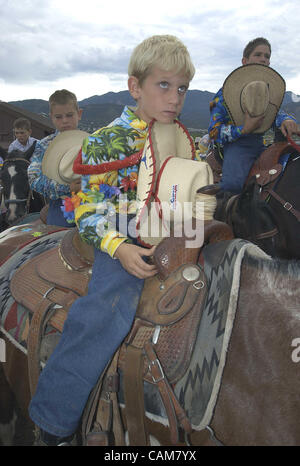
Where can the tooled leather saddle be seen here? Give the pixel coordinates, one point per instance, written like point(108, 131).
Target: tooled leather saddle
point(267, 170)
point(169, 308)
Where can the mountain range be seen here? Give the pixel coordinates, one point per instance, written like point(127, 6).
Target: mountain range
point(99, 110)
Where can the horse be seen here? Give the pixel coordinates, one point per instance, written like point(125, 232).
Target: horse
point(267, 212)
point(16, 194)
point(253, 376)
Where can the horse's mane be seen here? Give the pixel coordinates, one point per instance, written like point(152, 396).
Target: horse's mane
point(280, 271)
point(276, 266)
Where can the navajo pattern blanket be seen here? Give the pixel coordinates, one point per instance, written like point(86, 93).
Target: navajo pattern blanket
point(198, 389)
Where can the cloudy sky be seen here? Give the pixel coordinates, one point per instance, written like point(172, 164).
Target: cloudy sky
point(85, 45)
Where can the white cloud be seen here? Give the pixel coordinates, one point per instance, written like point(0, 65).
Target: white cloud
point(85, 46)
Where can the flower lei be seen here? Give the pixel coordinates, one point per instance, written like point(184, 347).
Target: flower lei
point(98, 193)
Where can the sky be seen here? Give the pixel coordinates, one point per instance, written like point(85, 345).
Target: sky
point(85, 46)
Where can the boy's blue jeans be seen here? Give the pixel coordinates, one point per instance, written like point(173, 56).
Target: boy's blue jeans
point(96, 325)
point(239, 157)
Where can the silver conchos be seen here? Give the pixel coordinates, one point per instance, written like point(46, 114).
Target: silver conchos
point(191, 273)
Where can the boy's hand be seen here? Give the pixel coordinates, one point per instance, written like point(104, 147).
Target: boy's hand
point(75, 186)
point(251, 123)
point(130, 257)
point(289, 127)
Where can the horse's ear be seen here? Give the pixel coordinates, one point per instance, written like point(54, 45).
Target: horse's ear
point(29, 151)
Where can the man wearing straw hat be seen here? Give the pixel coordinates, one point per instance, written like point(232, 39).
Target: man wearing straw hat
point(244, 109)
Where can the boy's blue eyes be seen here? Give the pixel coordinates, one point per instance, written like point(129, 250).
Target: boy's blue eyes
point(182, 89)
point(165, 85)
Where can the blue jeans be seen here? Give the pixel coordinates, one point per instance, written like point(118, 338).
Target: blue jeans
point(239, 157)
point(95, 327)
point(55, 215)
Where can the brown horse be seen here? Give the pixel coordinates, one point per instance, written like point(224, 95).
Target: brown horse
point(256, 399)
point(259, 400)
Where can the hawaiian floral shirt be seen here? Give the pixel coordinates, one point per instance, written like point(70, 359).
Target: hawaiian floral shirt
point(105, 195)
point(222, 129)
point(40, 182)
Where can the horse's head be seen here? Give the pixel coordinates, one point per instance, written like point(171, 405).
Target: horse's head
point(15, 186)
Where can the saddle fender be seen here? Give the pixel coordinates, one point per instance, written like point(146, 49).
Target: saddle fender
point(159, 346)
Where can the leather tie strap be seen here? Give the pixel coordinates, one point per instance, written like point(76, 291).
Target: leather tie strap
point(38, 323)
point(174, 410)
point(285, 204)
point(134, 396)
point(100, 434)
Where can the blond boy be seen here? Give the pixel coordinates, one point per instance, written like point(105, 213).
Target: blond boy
point(159, 71)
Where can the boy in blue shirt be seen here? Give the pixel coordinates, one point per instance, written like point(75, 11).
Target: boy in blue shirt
point(65, 115)
point(22, 132)
point(241, 146)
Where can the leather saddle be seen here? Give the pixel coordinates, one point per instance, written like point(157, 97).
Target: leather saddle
point(159, 345)
point(267, 168)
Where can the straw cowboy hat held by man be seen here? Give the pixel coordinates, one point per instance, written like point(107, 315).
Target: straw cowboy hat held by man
point(256, 89)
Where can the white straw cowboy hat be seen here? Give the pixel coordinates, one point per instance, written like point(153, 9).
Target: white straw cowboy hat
point(258, 89)
point(168, 177)
point(58, 159)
